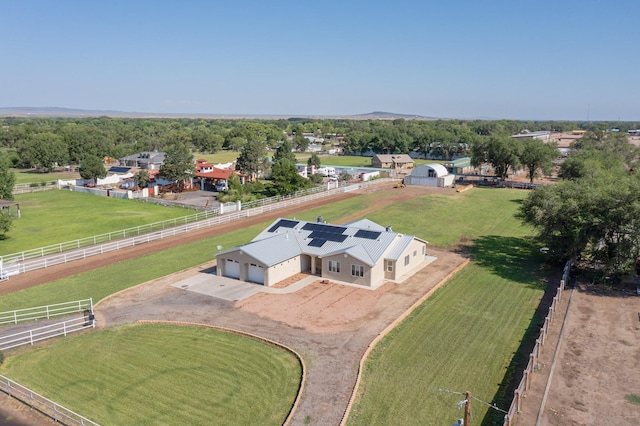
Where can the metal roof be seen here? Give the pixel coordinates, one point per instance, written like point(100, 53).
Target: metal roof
point(287, 238)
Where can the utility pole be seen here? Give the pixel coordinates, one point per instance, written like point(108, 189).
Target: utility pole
point(467, 410)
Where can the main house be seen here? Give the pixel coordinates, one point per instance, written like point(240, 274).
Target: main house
point(360, 252)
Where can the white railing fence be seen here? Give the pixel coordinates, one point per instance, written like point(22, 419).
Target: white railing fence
point(46, 312)
point(66, 252)
point(525, 383)
point(29, 337)
point(36, 401)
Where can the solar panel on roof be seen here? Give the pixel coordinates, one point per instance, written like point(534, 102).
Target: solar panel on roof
point(284, 223)
point(316, 243)
point(369, 235)
point(116, 169)
point(323, 228)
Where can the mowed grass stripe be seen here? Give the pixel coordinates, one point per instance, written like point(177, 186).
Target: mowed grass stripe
point(462, 338)
point(53, 217)
point(164, 374)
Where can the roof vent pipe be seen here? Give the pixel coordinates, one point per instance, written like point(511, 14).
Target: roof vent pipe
point(389, 229)
point(319, 219)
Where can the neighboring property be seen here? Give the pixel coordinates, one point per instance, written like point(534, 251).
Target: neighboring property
point(525, 134)
point(148, 160)
point(360, 252)
point(432, 174)
point(216, 177)
point(392, 161)
point(459, 166)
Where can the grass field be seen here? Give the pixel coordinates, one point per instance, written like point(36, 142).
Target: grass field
point(218, 157)
point(164, 374)
point(463, 338)
point(33, 176)
point(51, 217)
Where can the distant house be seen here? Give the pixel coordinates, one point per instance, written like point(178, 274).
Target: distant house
point(459, 166)
point(525, 134)
point(360, 252)
point(148, 160)
point(392, 161)
point(214, 177)
point(433, 174)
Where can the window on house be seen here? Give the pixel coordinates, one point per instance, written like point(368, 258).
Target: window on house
point(334, 266)
point(415, 253)
point(424, 250)
point(357, 270)
point(406, 260)
point(389, 265)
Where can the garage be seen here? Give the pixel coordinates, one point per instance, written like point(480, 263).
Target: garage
point(256, 273)
point(232, 269)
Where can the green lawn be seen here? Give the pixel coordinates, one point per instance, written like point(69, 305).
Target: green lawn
point(164, 374)
point(218, 157)
point(34, 176)
point(463, 338)
point(51, 217)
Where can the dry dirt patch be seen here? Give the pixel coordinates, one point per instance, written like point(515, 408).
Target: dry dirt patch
point(319, 307)
point(598, 364)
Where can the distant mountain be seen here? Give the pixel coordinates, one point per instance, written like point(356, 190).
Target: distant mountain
point(75, 112)
point(381, 115)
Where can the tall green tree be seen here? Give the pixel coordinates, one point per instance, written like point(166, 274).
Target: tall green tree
point(44, 150)
point(142, 178)
point(7, 180)
point(284, 152)
point(253, 158)
point(314, 160)
point(537, 156)
point(5, 224)
point(285, 178)
point(92, 167)
point(178, 163)
point(502, 152)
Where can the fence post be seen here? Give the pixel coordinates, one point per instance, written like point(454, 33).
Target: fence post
point(31, 337)
point(47, 312)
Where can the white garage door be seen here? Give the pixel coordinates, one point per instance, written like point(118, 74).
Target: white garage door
point(256, 274)
point(232, 269)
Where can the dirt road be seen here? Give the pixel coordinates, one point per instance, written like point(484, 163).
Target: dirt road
point(329, 325)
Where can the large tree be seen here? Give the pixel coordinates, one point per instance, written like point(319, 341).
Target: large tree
point(284, 152)
point(537, 156)
point(92, 167)
point(253, 158)
point(285, 178)
point(44, 150)
point(594, 214)
point(178, 163)
point(314, 160)
point(7, 180)
point(502, 152)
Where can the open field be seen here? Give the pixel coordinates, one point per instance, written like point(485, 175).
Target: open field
point(498, 270)
point(34, 176)
point(462, 338)
point(150, 374)
point(51, 217)
point(218, 157)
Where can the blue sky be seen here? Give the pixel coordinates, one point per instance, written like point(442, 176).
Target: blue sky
point(560, 60)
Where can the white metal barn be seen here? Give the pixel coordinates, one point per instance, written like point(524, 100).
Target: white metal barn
point(432, 174)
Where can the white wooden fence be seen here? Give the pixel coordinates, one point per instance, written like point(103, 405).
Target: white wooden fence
point(67, 252)
point(48, 311)
point(46, 406)
point(29, 337)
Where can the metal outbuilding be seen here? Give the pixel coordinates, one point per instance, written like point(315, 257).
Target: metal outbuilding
point(432, 174)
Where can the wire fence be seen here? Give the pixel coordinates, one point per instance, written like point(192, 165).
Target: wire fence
point(25, 188)
point(48, 311)
point(36, 401)
point(57, 254)
point(525, 382)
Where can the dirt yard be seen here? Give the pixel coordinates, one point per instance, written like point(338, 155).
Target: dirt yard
point(595, 368)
